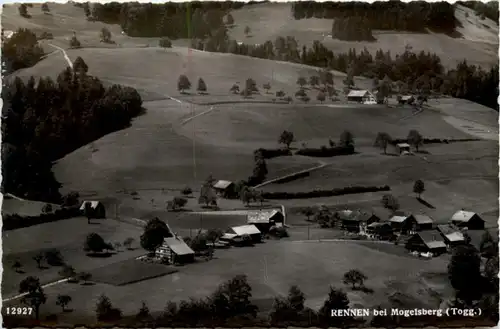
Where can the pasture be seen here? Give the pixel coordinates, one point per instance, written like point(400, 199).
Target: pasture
point(312, 266)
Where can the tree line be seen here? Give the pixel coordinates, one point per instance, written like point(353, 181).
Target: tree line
point(44, 120)
point(410, 72)
point(174, 20)
point(353, 28)
point(483, 9)
point(415, 16)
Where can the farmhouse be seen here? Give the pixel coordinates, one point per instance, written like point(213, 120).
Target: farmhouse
point(403, 147)
point(381, 231)
point(451, 235)
point(427, 241)
point(360, 96)
point(224, 188)
point(398, 221)
point(421, 223)
point(467, 219)
point(264, 219)
point(176, 251)
point(97, 209)
point(236, 233)
point(356, 221)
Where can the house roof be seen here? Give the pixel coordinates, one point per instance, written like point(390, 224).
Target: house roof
point(261, 216)
point(462, 216)
point(406, 97)
point(93, 204)
point(245, 229)
point(358, 93)
point(222, 184)
point(398, 218)
point(403, 145)
point(376, 224)
point(432, 239)
point(423, 219)
point(451, 233)
point(178, 246)
point(344, 214)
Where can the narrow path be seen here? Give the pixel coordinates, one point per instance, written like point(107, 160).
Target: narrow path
point(197, 115)
point(70, 63)
point(322, 165)
point(43, 286)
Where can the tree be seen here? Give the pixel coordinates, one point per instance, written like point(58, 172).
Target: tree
point(251, 86)
point(266, 87)
point(63, 301)
point(286, 138)
point(38, 259)
point(233, 299)
point(143, 313)
point(86, 9)
point(463, 269)
point(314, 80)
point(337, 300)
point(23, 10)
point(47, 208)
point(346, 139)
point(324, 217)
point(488, 247)
point(308, 212)
point(207, 194)
point(79, 65)
point(321, 96)
point(153, 236)
point(88, 211)
point(128, 243)
point(94, 243)
point(105, 35)
point(415, 139)
point(105, 311)
point(74, 42)
point(187, 191)
point(67, 272)
point(202, 87)
point(229, 19)
point(183, 83)
point(296, 299)
point(165, 43)
point(418, 187)
point(45, 8)
point(382, 140)
point(35, 295)
point(247, 195)
point(301, 81)
point(247, 31)
point(301, 93)
point(390, 202)
point(72, 198)
point(235, 89)
point(213, 235)
point(280, 93)
point(179, 202)
point(16, 266)
point(354, 277)
point(54, 257)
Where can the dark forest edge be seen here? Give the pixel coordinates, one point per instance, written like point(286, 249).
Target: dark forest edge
point(45, 120)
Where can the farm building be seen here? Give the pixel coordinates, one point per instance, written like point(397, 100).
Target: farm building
point(406, 99)
point(224, 188)
point(97, 209)
point(360, 96)
point(356, 221)
point(403, 147)
point(451, 235)
point(381, 231)
point(421, 223)
point(176, 251)
point(426, 241)
point(264, 219)
point(467, 219)
point(398, 221)
point(237, 233)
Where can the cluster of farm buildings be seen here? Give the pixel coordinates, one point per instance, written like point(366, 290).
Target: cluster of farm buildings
point(368, 97)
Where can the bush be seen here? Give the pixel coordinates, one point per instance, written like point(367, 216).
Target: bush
point(14, 221)
point(272, 153)
point(325, 193)
point(326, 151)
point(46, 36)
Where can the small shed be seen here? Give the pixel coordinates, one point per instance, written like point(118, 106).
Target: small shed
point(224, 188)
point(97, 209)
point(403, 147)
point(467, 219)
point(427, 241)
point(239, 231)
point(264, 219)
point(177, 251)
point(360, 96)
point(451, 235)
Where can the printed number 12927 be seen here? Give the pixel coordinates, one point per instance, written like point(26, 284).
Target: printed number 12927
point(20, 311)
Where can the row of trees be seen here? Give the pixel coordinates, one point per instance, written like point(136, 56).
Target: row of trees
point(183, 84)
point(393, 15)
point(383, 140)
point(45, 120)
point(410, 71)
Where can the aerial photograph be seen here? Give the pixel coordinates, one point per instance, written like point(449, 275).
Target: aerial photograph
point(250, 164)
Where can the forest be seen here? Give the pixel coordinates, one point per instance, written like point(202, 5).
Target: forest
point(44, 120)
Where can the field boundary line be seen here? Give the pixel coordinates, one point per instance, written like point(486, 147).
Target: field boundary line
point(322, 165)
point(183, 122)
point(43, 286)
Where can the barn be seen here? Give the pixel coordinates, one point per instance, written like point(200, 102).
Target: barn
point(399, 222)
point(236, 234)
point(467, 219)
point(266, 218)
point(427, 241)
point(97, 209)
point(360, 96)
point(176, 251)
point(451, 235)
point(224, 188)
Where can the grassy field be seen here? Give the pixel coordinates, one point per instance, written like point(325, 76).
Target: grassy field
point(68, 237)
point(312, 266)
